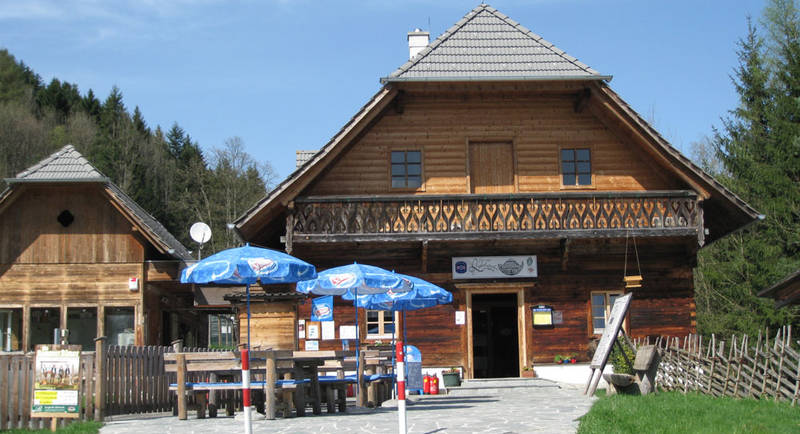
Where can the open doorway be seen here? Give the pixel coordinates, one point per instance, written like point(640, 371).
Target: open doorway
point(495, 335)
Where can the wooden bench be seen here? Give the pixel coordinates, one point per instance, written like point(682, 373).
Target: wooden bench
point(213, 364)
point(643, 382)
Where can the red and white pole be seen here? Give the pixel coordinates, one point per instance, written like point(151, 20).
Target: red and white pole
point(401, 388)
point(248, 423)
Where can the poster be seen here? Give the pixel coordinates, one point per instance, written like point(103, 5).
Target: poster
point(461, 317)
point(301, 329)
point(312, 330)
point(322, 308)
point(328, 330)
point(312, 346)
point(347, 332)
point(55, 387)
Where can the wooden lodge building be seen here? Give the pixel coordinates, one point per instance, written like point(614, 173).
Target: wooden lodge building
point(77, 253)
point(493, 149)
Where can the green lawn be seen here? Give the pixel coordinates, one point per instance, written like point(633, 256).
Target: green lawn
point(674, 412)
point(73, 428)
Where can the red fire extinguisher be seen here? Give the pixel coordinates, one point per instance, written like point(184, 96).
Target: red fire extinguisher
point(426, 384)
point(434, 385)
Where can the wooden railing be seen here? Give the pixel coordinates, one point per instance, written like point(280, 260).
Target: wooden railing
point(133, 378)
point(582, 214)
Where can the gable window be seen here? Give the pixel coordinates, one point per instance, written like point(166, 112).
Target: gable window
point(602, 302)
point(406, 169)
point(576, 167)
point(380, 324)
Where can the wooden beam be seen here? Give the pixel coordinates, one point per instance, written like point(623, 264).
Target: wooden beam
point(582, 100)
point(424, 261)
point(565, 242)
point(289, 227)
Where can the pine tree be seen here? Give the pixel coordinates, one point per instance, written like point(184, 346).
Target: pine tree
point(753, 145)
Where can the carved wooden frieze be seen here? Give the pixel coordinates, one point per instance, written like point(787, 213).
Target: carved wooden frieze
point(487, 214)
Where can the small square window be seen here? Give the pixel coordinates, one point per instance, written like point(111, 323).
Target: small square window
point(602, 302)
point(406, 169)
point(380, 324)
point(576, 167)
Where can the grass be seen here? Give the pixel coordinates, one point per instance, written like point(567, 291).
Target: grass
point(73, 428)
point(674, 412)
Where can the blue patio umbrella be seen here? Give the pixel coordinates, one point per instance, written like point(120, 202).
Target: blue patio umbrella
point(423, 295)
point(351, 280)
point(248, 265)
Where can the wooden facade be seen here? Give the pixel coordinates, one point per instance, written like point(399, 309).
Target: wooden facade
point(69, 250)
point(493, 184)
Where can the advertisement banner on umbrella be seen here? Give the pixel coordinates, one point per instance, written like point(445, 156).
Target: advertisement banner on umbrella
point(322, 308)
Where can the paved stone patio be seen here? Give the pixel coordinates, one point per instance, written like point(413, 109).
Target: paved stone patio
point(496, 406)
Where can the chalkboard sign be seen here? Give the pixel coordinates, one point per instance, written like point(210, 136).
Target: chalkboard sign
point(610, 334)
point(413, 359)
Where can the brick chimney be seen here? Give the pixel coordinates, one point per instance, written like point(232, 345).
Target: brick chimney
point(417, 41)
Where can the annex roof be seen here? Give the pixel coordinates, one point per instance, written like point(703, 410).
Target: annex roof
point(65, 165)
point(68, 165)
point(486, 44)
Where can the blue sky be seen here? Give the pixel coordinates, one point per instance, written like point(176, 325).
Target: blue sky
point(287, 74)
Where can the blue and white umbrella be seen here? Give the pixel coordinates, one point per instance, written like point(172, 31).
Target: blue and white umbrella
point(423, 295)
point(248, 265)
point(355, 279)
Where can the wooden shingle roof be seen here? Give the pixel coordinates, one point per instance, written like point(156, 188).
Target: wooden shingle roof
point(486, 44)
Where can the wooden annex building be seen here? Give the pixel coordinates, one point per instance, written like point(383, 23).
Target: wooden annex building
point(78, 253)
point(490, 144)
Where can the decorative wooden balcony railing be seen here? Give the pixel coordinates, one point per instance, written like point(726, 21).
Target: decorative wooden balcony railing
point(511, 216)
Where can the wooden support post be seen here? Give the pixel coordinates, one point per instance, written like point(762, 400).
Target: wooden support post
point(362, 389)
point(424, 257)
point(289, 227)
point(100, 378)
point(180, 360)
point(269, 386)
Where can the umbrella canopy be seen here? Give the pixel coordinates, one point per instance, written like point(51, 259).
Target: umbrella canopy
point(424, 294)
point(355, 279)
point(247, 265)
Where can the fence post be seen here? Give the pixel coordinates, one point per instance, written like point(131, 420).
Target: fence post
point(100, 379)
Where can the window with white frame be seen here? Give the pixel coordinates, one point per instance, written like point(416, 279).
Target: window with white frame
point(602, 302)
point(380, 324)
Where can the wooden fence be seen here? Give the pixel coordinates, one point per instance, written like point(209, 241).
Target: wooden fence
point(133, 381)
point(768, 370)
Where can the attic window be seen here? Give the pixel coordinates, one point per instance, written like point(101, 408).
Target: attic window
point(406, 169)
point(65, 218)
point(576, 167)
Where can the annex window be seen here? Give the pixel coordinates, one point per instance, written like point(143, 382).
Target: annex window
point(406, 169)
point(10, 329)
point(43, 321)
point(380, 324)
point(82, 326)
point(220, 331)
point(119, 325)
point(576, 167)
point(602, 301)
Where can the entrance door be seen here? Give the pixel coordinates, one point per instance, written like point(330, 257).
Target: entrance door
point(491, 167)
point(495, 342)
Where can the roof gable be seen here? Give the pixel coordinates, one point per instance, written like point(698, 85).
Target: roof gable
point(68, 165)
point(487, 44)
point(64, 165)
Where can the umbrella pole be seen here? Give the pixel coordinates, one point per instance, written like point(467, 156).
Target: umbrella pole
point(358, 330)
point(248, 316)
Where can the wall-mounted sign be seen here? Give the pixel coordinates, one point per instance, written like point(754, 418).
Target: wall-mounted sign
point(461, 317)
point(494, 267)
point(133, 284)
point(542, 316)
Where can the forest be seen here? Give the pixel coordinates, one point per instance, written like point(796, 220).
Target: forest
point(166, 172)
point(754, 152)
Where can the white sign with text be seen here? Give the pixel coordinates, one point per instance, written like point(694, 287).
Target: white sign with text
point(494, 267)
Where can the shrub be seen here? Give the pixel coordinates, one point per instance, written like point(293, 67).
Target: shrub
point(618, 360)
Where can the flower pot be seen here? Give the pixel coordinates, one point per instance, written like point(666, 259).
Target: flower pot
point(451, 379)
point(528, 374)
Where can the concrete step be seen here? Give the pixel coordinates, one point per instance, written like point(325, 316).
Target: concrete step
point(486, 385)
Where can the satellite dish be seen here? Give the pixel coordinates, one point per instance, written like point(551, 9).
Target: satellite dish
point(200, 232)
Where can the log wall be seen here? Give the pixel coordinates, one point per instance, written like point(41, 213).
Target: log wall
point(99, 232)
point(443, 125)
point(272, 325)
